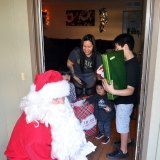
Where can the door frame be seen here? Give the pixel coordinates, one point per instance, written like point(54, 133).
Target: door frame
point(151, 8)
point(36, 36)
point(148, 131)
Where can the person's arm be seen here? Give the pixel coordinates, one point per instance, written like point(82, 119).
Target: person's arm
point(38, 143)
point(70, 65)
point(110, 106)
point(73, 92)
point(123, 92)
point(107, 109)
point(39, 151)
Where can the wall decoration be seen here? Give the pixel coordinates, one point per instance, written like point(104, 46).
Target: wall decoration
point(80, 17)
point(103, 19)
point(132, 22)
point(45, 16)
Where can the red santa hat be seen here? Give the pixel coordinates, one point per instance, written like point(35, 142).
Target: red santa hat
point(50, 84)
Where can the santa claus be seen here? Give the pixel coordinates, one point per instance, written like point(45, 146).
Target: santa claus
point(48, 128)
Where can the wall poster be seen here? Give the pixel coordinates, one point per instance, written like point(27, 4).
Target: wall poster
point(80, 17)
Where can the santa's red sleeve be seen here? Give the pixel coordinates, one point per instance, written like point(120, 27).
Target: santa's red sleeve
point(29, 141)
point(39, 146)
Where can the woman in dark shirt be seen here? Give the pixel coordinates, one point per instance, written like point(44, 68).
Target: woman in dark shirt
point(83, 63)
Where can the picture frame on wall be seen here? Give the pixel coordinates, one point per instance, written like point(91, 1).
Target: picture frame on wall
point(80, 17)
point(132, 22)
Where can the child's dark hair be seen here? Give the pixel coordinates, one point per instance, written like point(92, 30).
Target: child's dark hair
point(64, 70)
point(98, 83)
point(123, 39)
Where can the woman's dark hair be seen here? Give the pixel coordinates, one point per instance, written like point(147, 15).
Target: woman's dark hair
point(88, 37)
point(123, 39)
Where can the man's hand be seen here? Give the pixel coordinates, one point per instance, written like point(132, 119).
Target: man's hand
point(108, 87)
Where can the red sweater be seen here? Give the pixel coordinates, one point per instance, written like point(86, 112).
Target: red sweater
point(29, 142)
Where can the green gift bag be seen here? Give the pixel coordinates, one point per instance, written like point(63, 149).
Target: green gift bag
point(114, 70)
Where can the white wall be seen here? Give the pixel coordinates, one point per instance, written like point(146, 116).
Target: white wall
point(15, 59)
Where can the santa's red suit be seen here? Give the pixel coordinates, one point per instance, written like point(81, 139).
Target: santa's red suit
point(45, 130)
point(22, 144)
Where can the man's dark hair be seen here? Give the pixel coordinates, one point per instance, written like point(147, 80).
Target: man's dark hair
point(123, 39)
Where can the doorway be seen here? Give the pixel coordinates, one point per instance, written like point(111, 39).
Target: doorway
point(146, 28)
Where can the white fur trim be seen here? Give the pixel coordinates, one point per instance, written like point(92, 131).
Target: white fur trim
point(68, 138)
point(55, 90)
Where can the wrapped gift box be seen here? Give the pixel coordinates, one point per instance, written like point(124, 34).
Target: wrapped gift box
point(114, 70)
point(85, 115)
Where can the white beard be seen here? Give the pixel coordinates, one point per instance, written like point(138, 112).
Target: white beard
point(68, 138)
